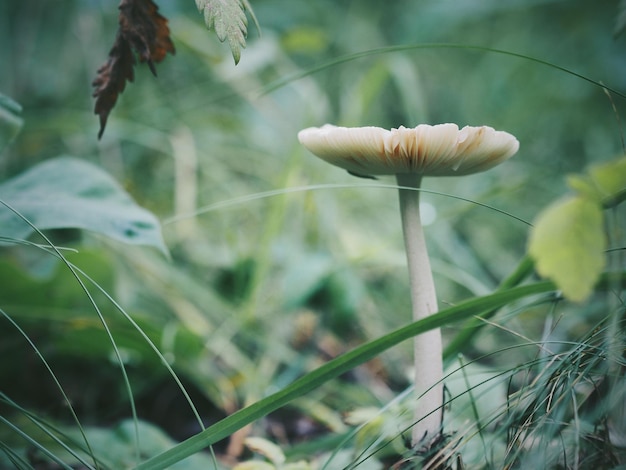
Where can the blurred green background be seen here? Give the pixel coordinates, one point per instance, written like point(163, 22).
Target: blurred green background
point(270, 279)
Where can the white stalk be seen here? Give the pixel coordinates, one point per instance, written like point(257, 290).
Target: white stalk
point(427, 346)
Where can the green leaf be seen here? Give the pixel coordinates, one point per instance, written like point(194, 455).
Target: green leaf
point(117, 447)
point(609, 177)
point(584, 187)
point(567, 243)
point(228, 19)
point(70, 193)
point(604, 182)
point(10, 120)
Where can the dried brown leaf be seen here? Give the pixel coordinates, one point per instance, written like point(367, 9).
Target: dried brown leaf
point(111, 79)
point(142, 30)
point(146, 31)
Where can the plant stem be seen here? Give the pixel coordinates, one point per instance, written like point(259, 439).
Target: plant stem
point(427, 346)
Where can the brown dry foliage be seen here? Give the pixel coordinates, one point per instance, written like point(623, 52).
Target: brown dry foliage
point(142, 30)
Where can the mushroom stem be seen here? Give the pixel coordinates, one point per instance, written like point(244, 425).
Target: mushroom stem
point(427, 346)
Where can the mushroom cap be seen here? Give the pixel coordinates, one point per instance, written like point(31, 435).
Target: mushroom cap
point(440, 150)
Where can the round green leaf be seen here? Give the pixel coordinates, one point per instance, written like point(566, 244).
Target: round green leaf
point(68, 192)
point(567, 243)
point(604, 182)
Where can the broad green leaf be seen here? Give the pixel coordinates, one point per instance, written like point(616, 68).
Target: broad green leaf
point(70, 193)
point(117, 447)
point(609, 177)
point(10, 120)
point(228, 19)
point(567, 243)
point(604, 182)
point(584, 187)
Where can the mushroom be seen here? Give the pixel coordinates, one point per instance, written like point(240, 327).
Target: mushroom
point(410, 154)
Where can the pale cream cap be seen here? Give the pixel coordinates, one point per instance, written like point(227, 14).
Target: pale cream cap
point(440, 150)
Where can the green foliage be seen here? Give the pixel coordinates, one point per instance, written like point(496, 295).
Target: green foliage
point(229, 21)
point(334, 368)
point(567, 243)
point(568, 240)
point(69, 193)
point(283, 308)
point(116, 447)
point(604, 183)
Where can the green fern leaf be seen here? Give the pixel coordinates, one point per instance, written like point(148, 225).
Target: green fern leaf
point(229, 21)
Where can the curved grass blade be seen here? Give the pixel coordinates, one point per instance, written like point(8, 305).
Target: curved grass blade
point(118, 355)
point(35, 444)
point(16, 460)
point(150, 343)
point(61, 390)
point(473, 325)
point(315, 187)
point(49, 249)
point(133, 323)
point(281, 82)
point(409, 47)
point(55, 251)
point(53, 432)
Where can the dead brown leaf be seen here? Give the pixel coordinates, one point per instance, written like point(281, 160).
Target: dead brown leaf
point(142, 30)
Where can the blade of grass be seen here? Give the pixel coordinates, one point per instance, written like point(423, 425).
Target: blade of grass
point(474, 408)
point(35, 444)
point(335, 368)
point(16, 460)
point(400, 48)
point(473, 325)
point(146, 338)
point(53, 432)
point(296, 189)
point(93, 303)
point(53, 251)
point(408, 47)
point(153, 346)
point(348, 361)
point(61, 390)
